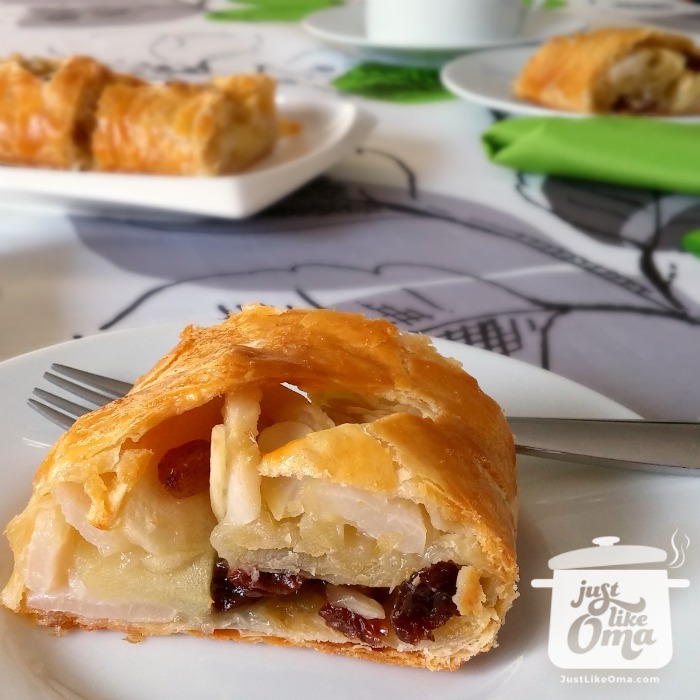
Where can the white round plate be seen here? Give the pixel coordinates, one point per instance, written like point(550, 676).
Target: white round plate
point(486, 78)
point(639, 9)
point(344, 26)
point(562, 507)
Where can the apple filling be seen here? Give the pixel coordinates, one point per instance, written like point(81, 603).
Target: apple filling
point(654, 80)
point(252, 518)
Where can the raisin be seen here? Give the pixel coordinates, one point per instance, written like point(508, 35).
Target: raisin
point(354, 626)
point(184, 470)
point(231, 588)
point(424, 602)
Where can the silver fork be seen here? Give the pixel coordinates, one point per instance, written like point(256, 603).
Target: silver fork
point(658, 446)
point(96, 389)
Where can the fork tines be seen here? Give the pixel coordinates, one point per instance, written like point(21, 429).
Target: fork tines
point(111, 387)
point(96, 389)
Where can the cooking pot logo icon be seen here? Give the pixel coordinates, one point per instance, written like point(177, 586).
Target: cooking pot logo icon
point(605, 617)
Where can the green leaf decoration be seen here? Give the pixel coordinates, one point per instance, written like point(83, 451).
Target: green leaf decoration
point(554, 4)
point(546, 5)
point(379, 81)
point(691, 243)
point(270, 10)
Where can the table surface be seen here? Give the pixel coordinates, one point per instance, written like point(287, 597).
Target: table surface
point(584, 279)
point(588, 280)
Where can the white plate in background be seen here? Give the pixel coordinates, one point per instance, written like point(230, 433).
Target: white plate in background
point(486, 78)
point(637, 9)
point(562, 507)
point(332, 129)
point(344, 26)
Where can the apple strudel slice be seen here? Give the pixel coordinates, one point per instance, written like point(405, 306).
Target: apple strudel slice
point(618, 70)
point(308, 478)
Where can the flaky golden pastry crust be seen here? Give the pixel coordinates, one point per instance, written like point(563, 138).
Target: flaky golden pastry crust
point(394, 424)
point(76, 113)
point(185, 129)
point(47, 110)
point(616, 70)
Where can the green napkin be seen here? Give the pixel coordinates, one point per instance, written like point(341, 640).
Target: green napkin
point(623, 150)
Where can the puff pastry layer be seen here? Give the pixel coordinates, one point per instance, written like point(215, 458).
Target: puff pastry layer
point(309, 478)
point(47, 110)
point(625, 70)
point(76, 113)
point(186, 129)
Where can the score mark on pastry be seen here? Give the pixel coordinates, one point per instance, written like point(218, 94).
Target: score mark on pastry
point(304, 476)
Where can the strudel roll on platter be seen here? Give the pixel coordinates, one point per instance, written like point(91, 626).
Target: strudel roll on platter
point(307, 478)
point(178, 128)
point(617, 70)
point(77, 114)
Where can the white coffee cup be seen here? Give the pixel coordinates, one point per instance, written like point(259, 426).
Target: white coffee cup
point(444, 23)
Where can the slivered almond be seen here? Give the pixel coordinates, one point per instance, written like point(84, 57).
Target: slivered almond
point(354, 601)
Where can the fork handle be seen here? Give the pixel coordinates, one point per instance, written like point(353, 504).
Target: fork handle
point(659, 446)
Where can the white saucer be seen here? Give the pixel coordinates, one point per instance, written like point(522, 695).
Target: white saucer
point(345, 27)
point(638, 9)
point(486, 78)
